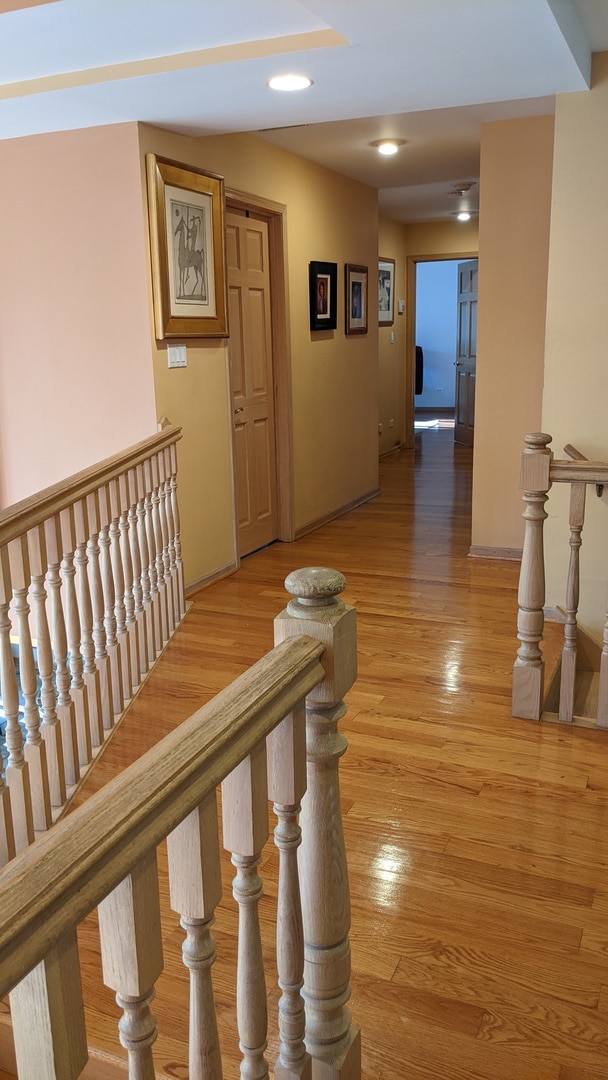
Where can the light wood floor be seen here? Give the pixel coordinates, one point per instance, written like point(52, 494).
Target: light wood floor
point(478, 844)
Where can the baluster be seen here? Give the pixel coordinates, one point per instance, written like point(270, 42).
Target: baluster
point(195, 887)
point(171, 531)
point(245, 825)
point(529, 667)
point(163, 598)
point(332, 1040)
point(165, 502)
point(102, 660)
point(176, 532)
point(65, 706)
point(90, 672)
point(132, 960)
point(568, 672)
point(51, 726)
point(119, 591)
point(34, 750)
point(17, 770)
point(8, 686)
point(47, 1017)
point(286, 747)
point(78, 688)
point(127, 567)
point(144, 556)
point(152, 571)
point(141, 615)
point(109, 599)
point(602, 699)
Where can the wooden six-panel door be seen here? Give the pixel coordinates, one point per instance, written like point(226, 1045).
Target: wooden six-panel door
point(466, 356)
point(252, 380)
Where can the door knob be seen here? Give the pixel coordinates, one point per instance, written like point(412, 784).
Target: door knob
point(238, 410)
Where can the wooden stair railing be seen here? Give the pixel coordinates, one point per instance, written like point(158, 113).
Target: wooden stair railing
point(76, 565)
point(539, 471)
point(285, 710)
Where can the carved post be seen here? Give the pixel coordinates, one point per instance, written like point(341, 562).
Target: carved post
point(127, 566)
point(163, 597)
point(529, 667)
point(286, 749)
point(120, 610)
point(132, 959)
point(195, 886)
point(245, 824)
point(48, 1016)
point(35, 749)
point(90, 673)
point(102, 660)
point(65, 706)
point(144, 560)
point(10, 701)
point(139, 611)
point(78, 687)
point(109, 598)
point(176, 531)
point(152, 563)
point(332, 1040)
point(568, 672)
point(164, 512)
point(51, 726)
point(175, 585)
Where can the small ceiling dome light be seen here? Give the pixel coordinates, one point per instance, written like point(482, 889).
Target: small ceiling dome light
point(289, 82)
point(387, 146)
point(464, 215)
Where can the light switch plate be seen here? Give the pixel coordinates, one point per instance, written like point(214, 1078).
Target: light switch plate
point(176, 356)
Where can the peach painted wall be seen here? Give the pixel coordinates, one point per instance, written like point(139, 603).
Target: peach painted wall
point(391, 343)
point(514, 223)
point(575, 397)
point(334, 378)
point(75, 359)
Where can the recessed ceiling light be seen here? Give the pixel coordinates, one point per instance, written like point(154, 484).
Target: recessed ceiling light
point(387, 146)
point(289, 82)
point(464, 215)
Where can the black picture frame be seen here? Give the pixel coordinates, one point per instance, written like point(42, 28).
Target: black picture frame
point(355, 299)
point(323, 295)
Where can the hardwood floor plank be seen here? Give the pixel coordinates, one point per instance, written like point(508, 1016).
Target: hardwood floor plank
point(477, 845)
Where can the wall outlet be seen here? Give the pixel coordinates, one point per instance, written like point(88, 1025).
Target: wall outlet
point(176, 356)
point(380, 428)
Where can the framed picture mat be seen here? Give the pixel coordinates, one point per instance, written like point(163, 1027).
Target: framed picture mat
point(355, 299)
point(386, 292)
point(323, 295)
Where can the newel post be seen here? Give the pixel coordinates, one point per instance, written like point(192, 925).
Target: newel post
point(332, 1040)
point(528, 670)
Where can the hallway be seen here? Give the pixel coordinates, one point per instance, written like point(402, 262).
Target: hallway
point(477, 844)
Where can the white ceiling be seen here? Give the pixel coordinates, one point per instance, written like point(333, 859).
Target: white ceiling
point(429, 72)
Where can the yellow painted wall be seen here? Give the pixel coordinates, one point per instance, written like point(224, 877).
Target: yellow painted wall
point(391, 353)
point(334, 378)
point(575, 398)
point(514, 221)
point(75, 357)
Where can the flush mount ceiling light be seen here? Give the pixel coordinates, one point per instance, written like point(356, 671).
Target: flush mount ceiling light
point(459, 190)
point(464, 215)
point(387, 146)
point(289, 82)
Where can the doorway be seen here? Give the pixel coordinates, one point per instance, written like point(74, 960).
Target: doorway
point(260, 373)
point(436, 323)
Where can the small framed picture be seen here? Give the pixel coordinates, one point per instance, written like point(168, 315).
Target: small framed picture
point(323, 294)
point(186, 210)
point(386, 292)
point(355, 294)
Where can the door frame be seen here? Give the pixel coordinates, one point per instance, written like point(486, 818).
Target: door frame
point(411, 262)
point(275, 216)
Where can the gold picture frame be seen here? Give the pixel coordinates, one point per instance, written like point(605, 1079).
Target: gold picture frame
point(186, 211)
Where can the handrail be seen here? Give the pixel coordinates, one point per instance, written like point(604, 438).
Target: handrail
point(22, 516)
point(270, 736)
point(577, 455)
point(59, 880)
point(585, 472)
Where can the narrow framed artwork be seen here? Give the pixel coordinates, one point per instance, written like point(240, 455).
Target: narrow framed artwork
point(355, 299)
point(323, 295)
point(386, 292)
point(186, 209)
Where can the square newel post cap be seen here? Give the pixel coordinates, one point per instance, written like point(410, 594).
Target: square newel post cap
point(317, 611)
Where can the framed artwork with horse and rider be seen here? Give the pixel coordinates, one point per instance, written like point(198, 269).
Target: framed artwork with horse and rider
point(186, 209)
